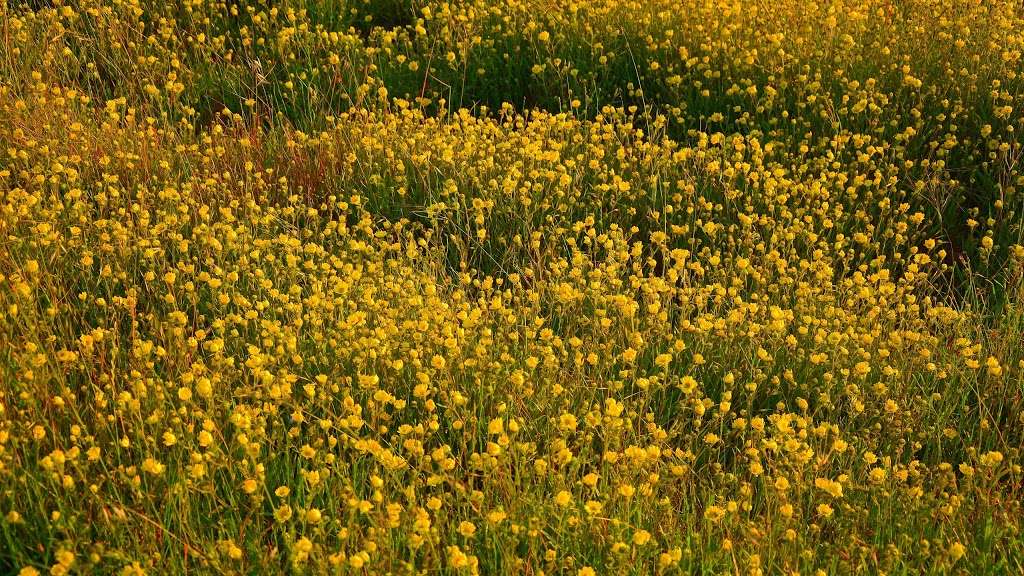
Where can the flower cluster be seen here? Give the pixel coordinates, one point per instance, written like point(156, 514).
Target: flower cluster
point(493, 287)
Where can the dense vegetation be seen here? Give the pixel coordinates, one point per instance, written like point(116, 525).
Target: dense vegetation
point(511, 287)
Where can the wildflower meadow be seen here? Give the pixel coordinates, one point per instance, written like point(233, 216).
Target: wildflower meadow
point(526, 287)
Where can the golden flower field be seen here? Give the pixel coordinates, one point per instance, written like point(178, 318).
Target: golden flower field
point(511, 287)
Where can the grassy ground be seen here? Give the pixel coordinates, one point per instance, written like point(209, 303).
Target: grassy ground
point(388, 287)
